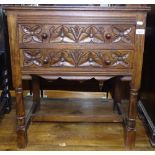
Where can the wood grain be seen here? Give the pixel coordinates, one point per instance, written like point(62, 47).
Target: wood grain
point(77, 110)
point(70, 136)
point(100, 29)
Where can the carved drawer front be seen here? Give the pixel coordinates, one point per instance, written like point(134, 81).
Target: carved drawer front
point(101, 34)
point(76, 59)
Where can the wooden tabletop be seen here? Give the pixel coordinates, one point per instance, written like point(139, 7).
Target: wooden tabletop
point(78, 7)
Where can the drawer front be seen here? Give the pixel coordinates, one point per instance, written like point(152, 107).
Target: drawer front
point(43, 35)
point(76, 59)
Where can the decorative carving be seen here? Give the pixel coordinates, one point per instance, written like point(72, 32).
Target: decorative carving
point(32, 57)
point(121, 34)
point(77, 33)
point(120, 58)
point(31, 33)
point(63, 59)
point(77, 58)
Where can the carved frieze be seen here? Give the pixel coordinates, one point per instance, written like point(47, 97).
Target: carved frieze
point(77, 34)
point(31, 33)
point(77, 58)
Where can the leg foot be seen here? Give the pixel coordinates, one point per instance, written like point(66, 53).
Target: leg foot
point(130, 138)
point(22, 138)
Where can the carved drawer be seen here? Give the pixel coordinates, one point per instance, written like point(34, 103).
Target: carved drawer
point(76, 59)
point(81, 44)
point(100, 35)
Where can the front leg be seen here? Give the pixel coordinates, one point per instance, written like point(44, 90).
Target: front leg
point(130, 136)
point(20, 117)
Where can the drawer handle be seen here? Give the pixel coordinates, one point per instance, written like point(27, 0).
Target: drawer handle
point(108, 36)
point(45, 61)
point(44, 36)
point(107, 62)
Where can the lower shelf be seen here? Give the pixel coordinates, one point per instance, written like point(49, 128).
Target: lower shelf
point(77, 110)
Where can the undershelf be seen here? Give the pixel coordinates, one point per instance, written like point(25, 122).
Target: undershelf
point(75, 110)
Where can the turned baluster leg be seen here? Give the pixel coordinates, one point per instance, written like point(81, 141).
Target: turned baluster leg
point(20, 116)
point(36, 92)
point(131, 121)
point(135, 85)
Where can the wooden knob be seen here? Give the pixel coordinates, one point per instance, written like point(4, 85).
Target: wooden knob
point(45, 61)
point(44, 36)
point(108, 36)
point(107, 62)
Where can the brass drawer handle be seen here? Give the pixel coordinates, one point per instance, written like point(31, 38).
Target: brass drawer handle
point(44, 36)
point(108, 36)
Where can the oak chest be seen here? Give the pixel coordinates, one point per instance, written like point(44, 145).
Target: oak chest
point(77, 43)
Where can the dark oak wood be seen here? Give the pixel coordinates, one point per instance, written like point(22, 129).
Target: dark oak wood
point(77, 43)
point(116, 93)
point(77, 110)
point(70, 136)
point(36, 92)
